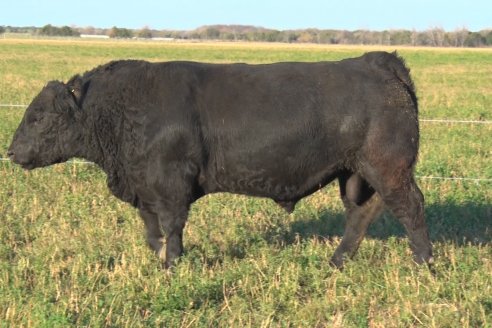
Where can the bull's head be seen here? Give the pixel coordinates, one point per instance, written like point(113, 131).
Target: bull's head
point(49, 132)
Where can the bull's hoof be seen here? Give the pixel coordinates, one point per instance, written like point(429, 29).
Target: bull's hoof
point(425, 259)
point(337, 262)
point(287, 206)
point(168, 267)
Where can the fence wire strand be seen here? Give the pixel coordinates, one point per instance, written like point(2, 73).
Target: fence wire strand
point(13, 106)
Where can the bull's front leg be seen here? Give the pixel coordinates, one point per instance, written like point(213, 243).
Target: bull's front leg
point(174, 246)
point(173, 220)
point(154, 234)
point(167, 194)
point(165, 220)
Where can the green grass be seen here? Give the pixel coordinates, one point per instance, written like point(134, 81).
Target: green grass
point(73, 255)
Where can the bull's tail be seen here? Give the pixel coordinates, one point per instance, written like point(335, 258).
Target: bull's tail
point(393, 65)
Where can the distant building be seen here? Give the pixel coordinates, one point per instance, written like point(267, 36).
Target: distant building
point(162, 39)
point(95, 36)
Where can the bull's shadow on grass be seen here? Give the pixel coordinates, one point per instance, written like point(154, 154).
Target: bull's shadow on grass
point(458, 223)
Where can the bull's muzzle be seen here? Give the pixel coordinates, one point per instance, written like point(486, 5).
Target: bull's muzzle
point(23, 158)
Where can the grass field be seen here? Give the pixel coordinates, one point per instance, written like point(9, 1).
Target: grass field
point(73, 255)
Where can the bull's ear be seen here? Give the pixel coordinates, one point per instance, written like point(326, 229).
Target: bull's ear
point(76, 87)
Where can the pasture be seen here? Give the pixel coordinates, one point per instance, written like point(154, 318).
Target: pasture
point(71, 254)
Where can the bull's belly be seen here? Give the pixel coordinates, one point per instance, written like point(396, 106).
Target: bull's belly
point(279, 165)
point(272, 184)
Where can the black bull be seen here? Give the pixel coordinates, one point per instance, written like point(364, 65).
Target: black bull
point(168, 133)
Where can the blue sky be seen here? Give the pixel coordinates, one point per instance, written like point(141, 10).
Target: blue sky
point(278, 14)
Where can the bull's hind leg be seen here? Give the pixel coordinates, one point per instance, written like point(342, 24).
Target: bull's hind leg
point(362, 206)
point(404, 199)
point(407, 204)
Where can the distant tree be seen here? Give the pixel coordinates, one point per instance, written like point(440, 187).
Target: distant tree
point(413, 37)
point(2, 30)
point(67, 31)
point(88, 30)
point(120, 33)
point(458, 37)
point(212, 33)
point(436, 36)
point(386, 37)
point(290, 36)
point(145, 33)
point(328, 36)
point(488, 38)
point(229, 36)
point(113, 33)
point(47, 30)
point(50, 30)
point(474, 39)
point(344, 37)
point(400, 37)
point(272, 36)
point(305, 37)
point(360, 37)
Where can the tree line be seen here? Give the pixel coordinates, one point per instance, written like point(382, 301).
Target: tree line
point(434, 37)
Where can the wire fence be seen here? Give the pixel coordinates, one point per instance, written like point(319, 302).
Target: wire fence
point(13, 106)
point(442, 121)
point(451, 121)
point(453, 178)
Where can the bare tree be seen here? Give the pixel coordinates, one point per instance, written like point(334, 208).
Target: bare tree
point(414, 37)
point(460, 36)
point(436, 36)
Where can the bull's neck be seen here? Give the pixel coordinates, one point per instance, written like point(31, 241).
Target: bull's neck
point(100, 144)
point(103, 141)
